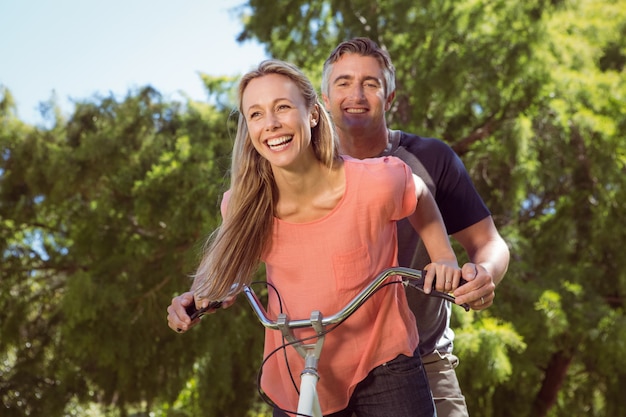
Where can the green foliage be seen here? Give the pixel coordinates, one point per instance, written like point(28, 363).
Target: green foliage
point(103, 216)
point(485, 342)
point(221, 90)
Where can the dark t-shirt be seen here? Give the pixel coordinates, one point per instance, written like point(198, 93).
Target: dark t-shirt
point(460, 205)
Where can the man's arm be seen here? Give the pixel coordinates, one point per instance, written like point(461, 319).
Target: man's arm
point(489, 255)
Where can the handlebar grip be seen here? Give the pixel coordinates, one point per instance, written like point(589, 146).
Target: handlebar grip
point(434, 293)
point(421, 282)
point(194, 312)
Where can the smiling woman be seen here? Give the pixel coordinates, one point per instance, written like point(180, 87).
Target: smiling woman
point(67, 49)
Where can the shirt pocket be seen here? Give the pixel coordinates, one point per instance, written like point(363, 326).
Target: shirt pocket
point(351, 269)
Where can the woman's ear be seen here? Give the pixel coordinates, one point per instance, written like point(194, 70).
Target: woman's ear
point(315, 116)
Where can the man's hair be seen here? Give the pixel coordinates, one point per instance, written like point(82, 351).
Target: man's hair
point(363, 47)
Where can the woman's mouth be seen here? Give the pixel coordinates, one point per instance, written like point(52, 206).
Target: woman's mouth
point(278, 143)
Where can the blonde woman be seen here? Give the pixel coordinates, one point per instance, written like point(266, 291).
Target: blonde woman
point(324, 225)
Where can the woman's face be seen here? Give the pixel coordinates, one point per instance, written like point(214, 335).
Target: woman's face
point(278, 120)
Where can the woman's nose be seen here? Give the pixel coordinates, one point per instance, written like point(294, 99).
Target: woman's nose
point(271, 122)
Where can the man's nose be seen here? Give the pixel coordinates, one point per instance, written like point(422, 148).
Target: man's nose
point(357, 92)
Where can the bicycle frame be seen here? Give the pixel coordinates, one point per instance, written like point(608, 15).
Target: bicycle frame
point(308, 402)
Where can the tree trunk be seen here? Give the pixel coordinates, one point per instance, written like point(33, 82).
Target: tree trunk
point(554, 377)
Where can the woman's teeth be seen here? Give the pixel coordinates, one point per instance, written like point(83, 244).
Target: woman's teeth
point(278, 142)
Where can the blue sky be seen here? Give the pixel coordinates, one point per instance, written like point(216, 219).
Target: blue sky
point(74, 49)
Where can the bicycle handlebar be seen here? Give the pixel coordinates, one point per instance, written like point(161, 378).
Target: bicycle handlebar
point(410, 277)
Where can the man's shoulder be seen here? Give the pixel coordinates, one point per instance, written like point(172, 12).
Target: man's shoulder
point(432, 153)
point(416, 143)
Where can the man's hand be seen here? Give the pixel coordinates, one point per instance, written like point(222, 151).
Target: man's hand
point(479, 291)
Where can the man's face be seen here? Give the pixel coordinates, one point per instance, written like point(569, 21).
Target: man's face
point(356, 94)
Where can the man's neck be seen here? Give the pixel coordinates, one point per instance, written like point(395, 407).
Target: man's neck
point(365, 144)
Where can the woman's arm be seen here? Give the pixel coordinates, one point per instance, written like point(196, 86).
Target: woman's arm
point(428, 223)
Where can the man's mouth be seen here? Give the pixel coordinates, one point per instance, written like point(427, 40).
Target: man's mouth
point(355, 111)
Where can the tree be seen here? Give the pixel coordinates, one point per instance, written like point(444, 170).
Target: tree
point(102, 217)
point(573, 272)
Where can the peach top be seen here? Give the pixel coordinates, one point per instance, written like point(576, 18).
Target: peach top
point(323, 264)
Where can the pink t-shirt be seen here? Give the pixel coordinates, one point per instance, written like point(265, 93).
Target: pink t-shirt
point(322, 265)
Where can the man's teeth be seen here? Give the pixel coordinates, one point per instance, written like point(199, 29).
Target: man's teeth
point(355, 110)
point(279, 141)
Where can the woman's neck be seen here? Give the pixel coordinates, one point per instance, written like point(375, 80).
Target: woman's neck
point(310, 193)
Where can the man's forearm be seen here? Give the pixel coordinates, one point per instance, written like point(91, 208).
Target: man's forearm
point(494, 257)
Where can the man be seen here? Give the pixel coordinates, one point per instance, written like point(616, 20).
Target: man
point(358, 87)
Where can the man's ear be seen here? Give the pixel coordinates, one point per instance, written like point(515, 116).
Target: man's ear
point(389, 100)
point(326, 101)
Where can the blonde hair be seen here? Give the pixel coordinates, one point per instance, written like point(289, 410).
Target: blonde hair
point(233, 251)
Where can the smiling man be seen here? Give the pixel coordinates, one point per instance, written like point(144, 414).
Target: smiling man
point(358, 88)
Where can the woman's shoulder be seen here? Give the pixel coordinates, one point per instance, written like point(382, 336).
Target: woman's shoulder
point(384, 183)
point(382, 162)
point(379, 172)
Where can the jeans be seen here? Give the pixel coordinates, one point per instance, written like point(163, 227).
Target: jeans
point(397, 388)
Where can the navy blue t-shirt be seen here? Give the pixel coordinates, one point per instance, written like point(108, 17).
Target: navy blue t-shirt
point(461, 206)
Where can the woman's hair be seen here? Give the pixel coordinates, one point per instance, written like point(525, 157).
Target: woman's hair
point(233, 251)
point(363, 47)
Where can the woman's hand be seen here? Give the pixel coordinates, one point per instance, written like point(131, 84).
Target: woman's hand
point(445, 274)
point(177, 317)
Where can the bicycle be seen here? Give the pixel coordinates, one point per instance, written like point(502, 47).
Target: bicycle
point(308, 401)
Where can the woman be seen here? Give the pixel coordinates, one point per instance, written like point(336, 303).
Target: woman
point(323, 226)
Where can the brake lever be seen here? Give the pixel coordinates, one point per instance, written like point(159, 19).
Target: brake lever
point(419, 285)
